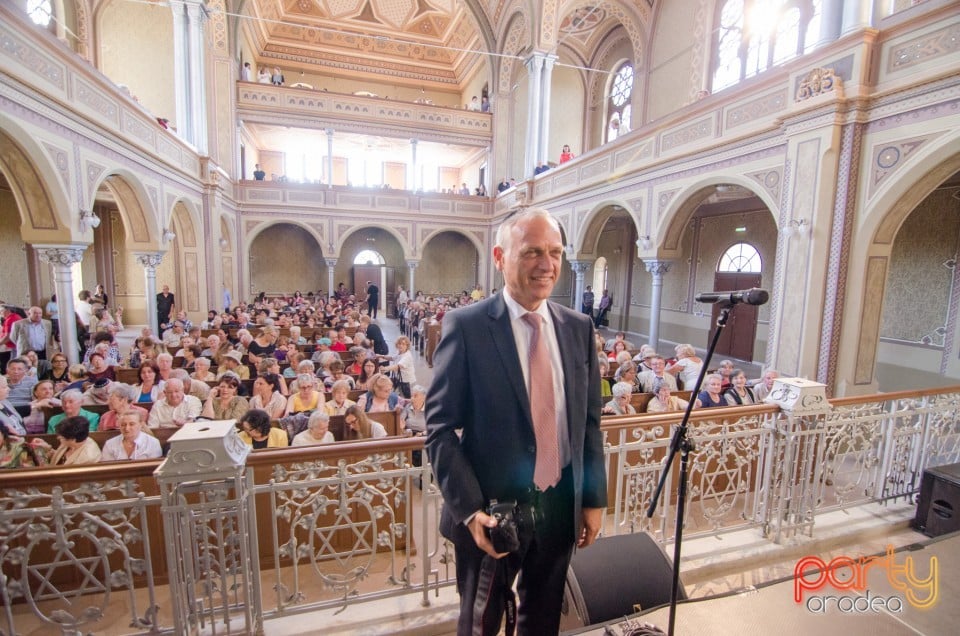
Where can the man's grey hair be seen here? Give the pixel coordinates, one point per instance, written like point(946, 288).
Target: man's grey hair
point(71, 394)
point(318, 416)
point(122, 391)
point(505, 231)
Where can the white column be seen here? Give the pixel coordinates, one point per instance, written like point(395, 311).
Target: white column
point(831, 21)
point(534, 65)
point(62, 258)
point(412, 266)
point(657, 269)
point(197, 69)
point(150, 261)
point(579, 268)
point(329, 132)
point(412, 179)
point(857, 15)
point(546, 83)
point(331, 265)
point(181, 70)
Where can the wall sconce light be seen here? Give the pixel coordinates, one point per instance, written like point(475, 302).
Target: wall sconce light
point(88, 220)
point(644, 242)
point(168, 235)
point(224, 243)
point(798, 227)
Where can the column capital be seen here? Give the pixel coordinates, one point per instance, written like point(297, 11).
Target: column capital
point(656, 266)
point(579, 266)
point(413, 264)
point(330, 262)
point(60, 254)
point(329, 131)
point(149, 259)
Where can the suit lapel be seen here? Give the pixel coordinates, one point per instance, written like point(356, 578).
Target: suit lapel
point(501, 333)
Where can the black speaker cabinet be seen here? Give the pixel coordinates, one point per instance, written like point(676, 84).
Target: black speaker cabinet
point(938, 510)
point(618, 576)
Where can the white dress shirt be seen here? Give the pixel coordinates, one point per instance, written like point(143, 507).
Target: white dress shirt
point(145, 447)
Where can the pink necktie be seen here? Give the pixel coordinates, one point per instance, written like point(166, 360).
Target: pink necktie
point(546, 472)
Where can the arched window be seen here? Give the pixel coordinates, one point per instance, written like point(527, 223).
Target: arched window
point(40, 11)
point(741, 257)
point(600, 275)
point(754, 35)
point(368, 257)
point(618, 102)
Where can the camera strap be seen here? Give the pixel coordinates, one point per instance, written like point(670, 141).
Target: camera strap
point(493, 576)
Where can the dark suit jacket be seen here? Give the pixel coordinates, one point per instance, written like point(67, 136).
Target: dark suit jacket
point(478, 387)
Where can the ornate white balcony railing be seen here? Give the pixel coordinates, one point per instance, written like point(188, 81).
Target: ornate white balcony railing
point(81, 548)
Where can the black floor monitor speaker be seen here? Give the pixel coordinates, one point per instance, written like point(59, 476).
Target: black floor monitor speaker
point(619, 576)
point(938, 509)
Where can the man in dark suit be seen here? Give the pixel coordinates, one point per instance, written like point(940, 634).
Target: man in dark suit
point(517, 376)
point(373, 299)
point(165, 304)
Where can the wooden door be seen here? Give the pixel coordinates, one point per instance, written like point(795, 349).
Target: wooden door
point(738, 336)
point(362, 274)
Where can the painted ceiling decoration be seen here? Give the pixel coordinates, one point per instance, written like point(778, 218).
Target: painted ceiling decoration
point(418, 42)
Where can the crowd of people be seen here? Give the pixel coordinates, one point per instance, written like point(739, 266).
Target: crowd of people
point(252, 363)
point(646, 371)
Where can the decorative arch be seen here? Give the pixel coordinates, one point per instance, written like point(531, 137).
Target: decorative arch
point(592, 223)
point(402, 240)
point(634, 17)
point(674, 215)
point(252, 233)
point(882, 219)
point(468, 235)
point(37, 188)
point(516, 36)
point(141, 220)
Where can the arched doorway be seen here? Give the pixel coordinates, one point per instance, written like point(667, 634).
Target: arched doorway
point(449, 264)
point(740, 267)
point(381, 255)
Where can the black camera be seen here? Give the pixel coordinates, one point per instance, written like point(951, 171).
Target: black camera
point(504, 536)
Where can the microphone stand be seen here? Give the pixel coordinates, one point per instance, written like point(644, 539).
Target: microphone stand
point(682, 444)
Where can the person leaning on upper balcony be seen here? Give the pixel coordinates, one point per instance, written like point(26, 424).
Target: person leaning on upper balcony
point(565, 154)
point(255, 431)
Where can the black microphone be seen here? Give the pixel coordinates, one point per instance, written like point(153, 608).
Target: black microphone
point(754, 296)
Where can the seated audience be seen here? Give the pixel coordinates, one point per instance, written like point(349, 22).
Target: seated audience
point(619, 336)
point(164, 367)
point(43, 397)
point(15, 452)
point(99, 369)
point(620, 404)
point(263, 345)
point(317, 431)
point(739, 394)
point(657, 373)
point(78, 377)
point(132, 442)
point(267, 396)
point(663, 402)
point(224, 403)
point(72, 403)
point(618, 346)
point(232, 362)
point(762, 388)
point(711, 396)
point(196, 388)
point(76, 446)
point(201, 370)
point(413, 417)
point(255, 431)
point(59, 372)
point(339, 403)
point(121, 401)
point(359, 426)
point(9, 416)
point(175, 408)
point(20, 385)
point(627, 372)
point(307, 397)
point(149, 389)
point(337, 375)
point(98, 393)
point(381, 397)
point(725, 369)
